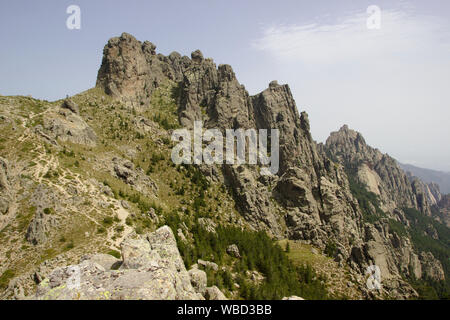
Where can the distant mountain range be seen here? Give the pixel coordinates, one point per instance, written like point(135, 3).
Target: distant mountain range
point(427, 175)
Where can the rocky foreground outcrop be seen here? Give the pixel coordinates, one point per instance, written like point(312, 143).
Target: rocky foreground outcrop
point(151, 269)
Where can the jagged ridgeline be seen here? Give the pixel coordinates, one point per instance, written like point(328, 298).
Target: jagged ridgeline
point(397, 203)
point(88, 184)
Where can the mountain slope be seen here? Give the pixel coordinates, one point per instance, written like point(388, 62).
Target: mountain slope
point(404, 205)
point(430, 176)
point(80, 176)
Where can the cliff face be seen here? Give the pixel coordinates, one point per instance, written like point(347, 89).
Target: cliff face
point(213, 94)
point(444, 208)
point(395, 191)
point(440, 178)
point(379, 172)
point(438, 200)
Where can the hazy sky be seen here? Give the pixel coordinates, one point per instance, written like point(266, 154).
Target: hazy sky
point(392, 84)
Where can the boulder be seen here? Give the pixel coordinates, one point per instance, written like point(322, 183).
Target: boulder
point(214, 293)
point(68, 126)
point(233, 251)
point(207, 224)
point(70, 105)
point(3, 173)
point(208, 264)
point(137, 253)
point(128, 173)
point(198, 280)
point(292, 298)
point(39, 227)
point(197, 56)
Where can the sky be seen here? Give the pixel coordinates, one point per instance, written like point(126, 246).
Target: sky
point(390, 83)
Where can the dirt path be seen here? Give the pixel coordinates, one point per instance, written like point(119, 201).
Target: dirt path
point(44, 162)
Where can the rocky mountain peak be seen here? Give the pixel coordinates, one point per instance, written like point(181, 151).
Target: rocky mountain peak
point(379, 172)
point(226, 73)
point(273, 84)
point(131, 70)
point(351, 134)
point(197, 56)
point(347, 141)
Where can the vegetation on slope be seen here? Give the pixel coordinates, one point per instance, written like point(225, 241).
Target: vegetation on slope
point(258, 253)
point(440, 248)
point(417, 231)
point(368, 201)
point(96, 225)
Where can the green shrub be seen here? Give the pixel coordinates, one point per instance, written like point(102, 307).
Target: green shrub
point(330, 249)
point(440, 248)
point(70, 245)
point(397, 227)
point(6, 277)
point(48, 174)
point(114, 253)
point(101, 230)
point(139, 230)
point(108, 221)
point(48, 211)
point(367, 200)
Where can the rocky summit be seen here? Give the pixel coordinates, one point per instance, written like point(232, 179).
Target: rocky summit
point(92, 206)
